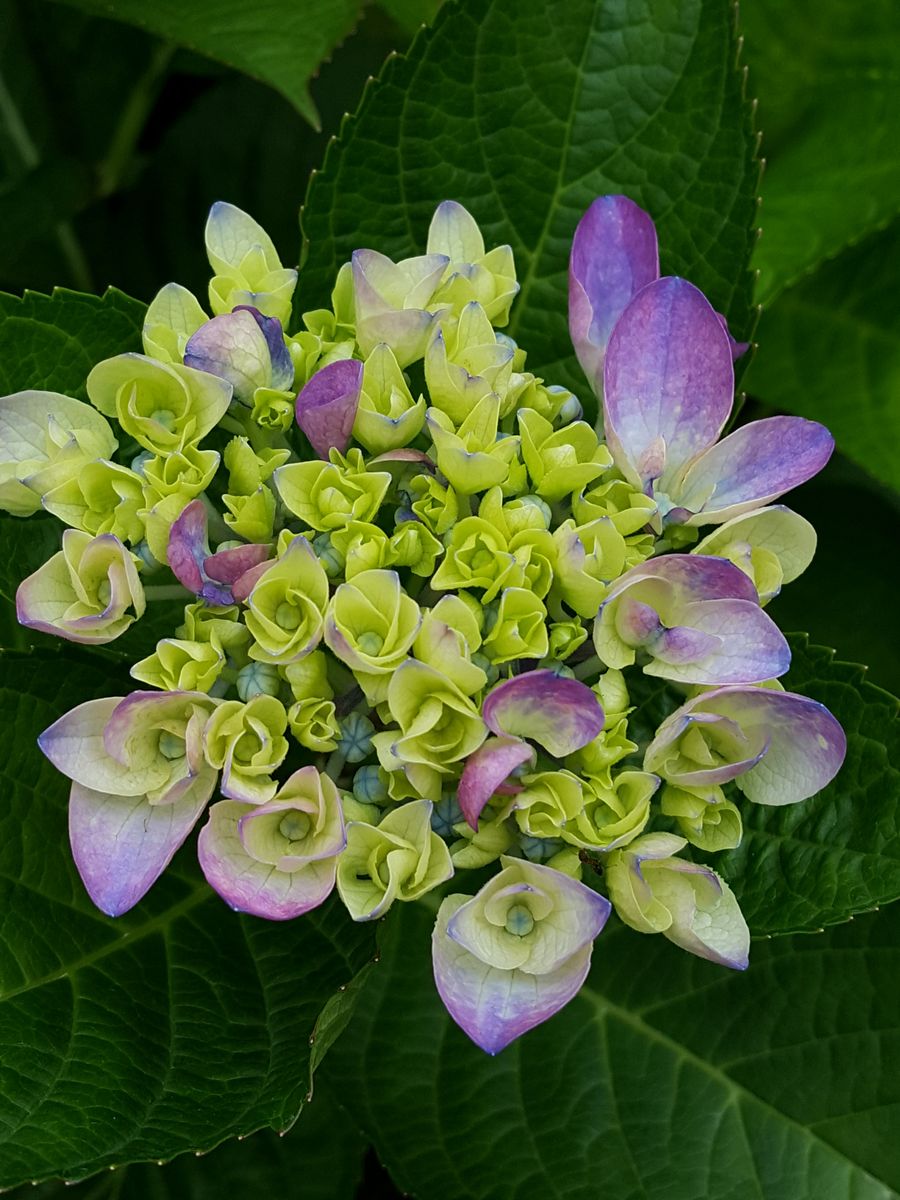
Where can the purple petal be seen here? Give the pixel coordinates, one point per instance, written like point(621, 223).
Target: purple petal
point(486, 770)
point(719, 642)
point(326, 407)
point(560, 714)
point(494, 1007)
point(806, 745)
point(273, 332)
point(122, 844)
point(614, 255)
point(244, 585)
point(188, 547)
point(227, 566)
point(668, 380)
point(752, 466)
point(712, 579)
point(255, 887)
point(737, 348)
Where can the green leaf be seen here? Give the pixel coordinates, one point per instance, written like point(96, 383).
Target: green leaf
point(166, 1030)
point(830, 349)
point(818, 862)
point(323, 1149)
point(829, 91)
point(666, 1078)
point(52, 342)
point(524, 111)
point(276, 41)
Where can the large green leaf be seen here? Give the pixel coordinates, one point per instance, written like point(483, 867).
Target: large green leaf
point(829, 92)
point(666, 1078)
point(163, 1031)
point(525, 111)
point(324, 1149)
point(803, 866)
point(277, 41)
point(830, 349)
point(52, 342)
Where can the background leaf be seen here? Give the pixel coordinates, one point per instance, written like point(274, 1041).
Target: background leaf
point(526, 112)
point(323, 1149)
point(165, 1030)
point(830, 349)
point(829, 86)
point(667, 1077)
point(277, 41)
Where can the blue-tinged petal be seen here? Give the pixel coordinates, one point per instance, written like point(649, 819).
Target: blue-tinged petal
point(76, 747)
point(282, 365)
point(560, 714)
point(720, 642)
point(668, 381)
point(614, 255)
point(122, 844)
point(752, 466)
point(326, 407)
point(234, 348)
point(494, 1007)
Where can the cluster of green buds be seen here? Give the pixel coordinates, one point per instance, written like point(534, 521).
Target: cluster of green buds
point(418, 589)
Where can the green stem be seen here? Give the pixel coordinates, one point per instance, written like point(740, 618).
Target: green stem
point(30, 157)
point(590, 666)
point(132, 120)
point(167, 591)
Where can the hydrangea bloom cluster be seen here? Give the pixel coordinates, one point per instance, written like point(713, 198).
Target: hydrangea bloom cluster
point(419, 587)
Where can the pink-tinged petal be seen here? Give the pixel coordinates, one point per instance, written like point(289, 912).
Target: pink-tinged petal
point(122, 844)
point(227, 566)
point(712, 579)
point(737, 348)
point(188, 547)
point(614, 255)
point(668, 381)
point(491, 1006)
point(405, 454)
point(254, 887)
point(76, 746)
point(273, 332)
point(486, 770)
point(326, 407)
point(752, 466)
point(244, 585)
point(560, 714)
point(721, 642)
point(806, 745)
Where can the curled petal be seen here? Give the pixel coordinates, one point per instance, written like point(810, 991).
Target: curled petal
point(188, 554)
point(486, 770)
point(695, 577)
point(257, 887)
point(795, 747)
point(752, 466)
point(719, 642)
point(76, 746)
point(614, 255)
point(492, 1006)
point(227, 566)
point(560, 714)
point(273, 332)
point(668, 381)
point(326, 406)
point(122, 844)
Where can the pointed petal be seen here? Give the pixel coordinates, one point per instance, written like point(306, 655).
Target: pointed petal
point(491, 1006)
point(668, 380)
point(486, 770)
point(326, 407)
point(744, 645)
point(752, 466)
point(255, 887)
point(188, 546)
point(560, 714)
point(738, 349)
point(614, 255)
point(273, 332)
point(122, 844)
point(710, 579)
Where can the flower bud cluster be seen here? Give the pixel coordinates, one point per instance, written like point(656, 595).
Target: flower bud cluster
point(420, 591)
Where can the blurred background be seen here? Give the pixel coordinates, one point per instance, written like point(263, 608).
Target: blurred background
point(115, 140)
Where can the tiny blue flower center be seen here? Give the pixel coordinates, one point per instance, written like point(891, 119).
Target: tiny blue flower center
point(519, 920)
